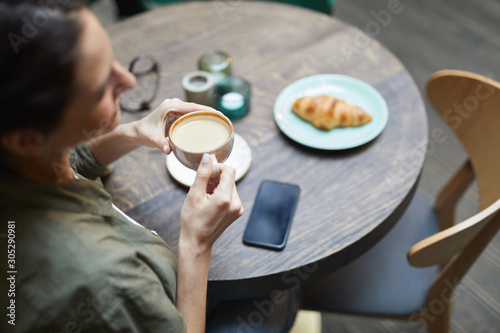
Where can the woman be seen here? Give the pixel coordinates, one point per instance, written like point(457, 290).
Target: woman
point(81, 264)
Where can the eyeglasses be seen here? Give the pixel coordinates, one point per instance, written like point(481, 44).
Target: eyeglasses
point(147, 72)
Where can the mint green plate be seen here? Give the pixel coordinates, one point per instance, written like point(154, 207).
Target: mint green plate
point(353, 91)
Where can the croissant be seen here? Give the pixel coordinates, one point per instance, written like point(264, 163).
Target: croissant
point(325, 112)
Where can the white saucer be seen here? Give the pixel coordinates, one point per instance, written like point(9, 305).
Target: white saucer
point(240, 159)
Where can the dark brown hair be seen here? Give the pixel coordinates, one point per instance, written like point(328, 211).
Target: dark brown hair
point(38, 53)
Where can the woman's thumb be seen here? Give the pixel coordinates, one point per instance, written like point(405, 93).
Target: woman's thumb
point(203, 175)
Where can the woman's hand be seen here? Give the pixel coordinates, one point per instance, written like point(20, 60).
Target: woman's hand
point(151, 130)
point(148, 131)
point(211, 205)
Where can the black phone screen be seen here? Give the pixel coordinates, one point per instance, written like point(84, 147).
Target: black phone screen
point(272, 214)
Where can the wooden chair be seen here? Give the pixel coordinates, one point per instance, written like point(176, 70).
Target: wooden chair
point(385, 281)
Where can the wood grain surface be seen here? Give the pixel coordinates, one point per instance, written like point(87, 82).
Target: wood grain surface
point(349, 199)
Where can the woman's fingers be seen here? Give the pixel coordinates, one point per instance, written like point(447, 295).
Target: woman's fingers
point(176, 104)
point(227, 187)
point(226, 182)
point(203, 175)
point(236, 207)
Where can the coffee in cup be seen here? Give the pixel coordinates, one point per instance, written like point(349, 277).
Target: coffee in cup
point(201, 132)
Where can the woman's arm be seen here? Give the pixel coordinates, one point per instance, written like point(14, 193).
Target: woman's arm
point(115, 144)
point(148, 131)
point(206, 213)
point(192, 286)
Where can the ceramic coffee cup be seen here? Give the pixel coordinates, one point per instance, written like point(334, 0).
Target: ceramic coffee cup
point(200, 132)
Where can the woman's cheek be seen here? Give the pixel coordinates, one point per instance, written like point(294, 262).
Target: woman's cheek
point(103, 119)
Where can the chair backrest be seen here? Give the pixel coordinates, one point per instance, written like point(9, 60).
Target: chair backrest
point(470, 105)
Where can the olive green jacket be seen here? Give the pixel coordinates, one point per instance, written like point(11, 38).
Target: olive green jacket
point(80, 265)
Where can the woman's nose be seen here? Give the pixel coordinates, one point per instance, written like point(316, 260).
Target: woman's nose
point(125, 79)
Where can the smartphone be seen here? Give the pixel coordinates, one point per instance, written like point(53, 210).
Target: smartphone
point(272, 215)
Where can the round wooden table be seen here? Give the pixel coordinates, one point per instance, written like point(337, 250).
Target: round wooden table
point(349, 198)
